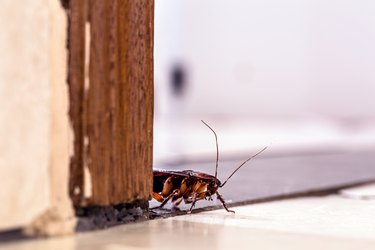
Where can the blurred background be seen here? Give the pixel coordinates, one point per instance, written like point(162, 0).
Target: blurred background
point(295, 75)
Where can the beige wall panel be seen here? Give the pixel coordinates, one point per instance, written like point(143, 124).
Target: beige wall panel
point(59, 218)
point(24, 111)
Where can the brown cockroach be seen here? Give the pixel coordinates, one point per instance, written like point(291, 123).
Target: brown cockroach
point(189, 185)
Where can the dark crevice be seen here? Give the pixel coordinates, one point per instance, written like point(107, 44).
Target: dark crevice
point(99, 217)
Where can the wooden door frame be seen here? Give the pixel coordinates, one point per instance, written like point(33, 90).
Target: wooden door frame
point(111, 100)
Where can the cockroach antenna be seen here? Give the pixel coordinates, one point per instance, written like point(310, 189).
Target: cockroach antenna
point(217, 148)
point(242, 165)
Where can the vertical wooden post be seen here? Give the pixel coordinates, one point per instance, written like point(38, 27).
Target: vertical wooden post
point(113, 116)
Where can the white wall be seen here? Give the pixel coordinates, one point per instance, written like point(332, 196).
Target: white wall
point(268, 57)
point(35, 134)
point(24, 112)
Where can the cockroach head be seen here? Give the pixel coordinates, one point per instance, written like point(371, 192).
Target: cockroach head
point(213, 185)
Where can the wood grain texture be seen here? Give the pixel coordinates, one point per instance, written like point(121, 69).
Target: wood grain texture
point(120, 100)
point(116, 118)
point(76, 78)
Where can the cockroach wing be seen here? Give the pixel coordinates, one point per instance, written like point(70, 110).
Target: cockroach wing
point(161, 175)
point(164, 172)
point(200, 175)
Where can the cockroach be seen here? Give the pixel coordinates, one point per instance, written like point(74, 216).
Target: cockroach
point(190, 186)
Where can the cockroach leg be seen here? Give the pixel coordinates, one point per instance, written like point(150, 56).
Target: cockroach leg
point(192, 206)
point(209, 198)
point(167, 187)
point(157, 197)
point(168, 198)
point(188, 199)
point(196, 198)
point(223, 202)
point(178, 201)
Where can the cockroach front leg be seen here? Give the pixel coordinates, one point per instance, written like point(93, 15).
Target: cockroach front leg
point(223, 202)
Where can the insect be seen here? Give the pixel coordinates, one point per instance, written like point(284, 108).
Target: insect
point(190, 186)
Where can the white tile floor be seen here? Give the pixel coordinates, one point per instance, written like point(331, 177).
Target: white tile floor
point(331, 222)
